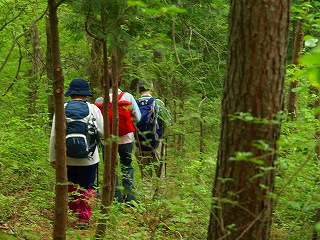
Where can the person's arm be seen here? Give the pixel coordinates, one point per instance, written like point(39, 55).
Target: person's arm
point(135, 109)
point(164, 113)
point(99, 120)
point(52, 150)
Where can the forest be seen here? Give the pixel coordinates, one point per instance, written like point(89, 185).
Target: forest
point(241, 80)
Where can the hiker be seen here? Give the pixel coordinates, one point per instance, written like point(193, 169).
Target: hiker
point(81, 167)
point(126, 142)
point(150, 142)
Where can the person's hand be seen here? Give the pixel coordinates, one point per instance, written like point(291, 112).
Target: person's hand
point(53, 164)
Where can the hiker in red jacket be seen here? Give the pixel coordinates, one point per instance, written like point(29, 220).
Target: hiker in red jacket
point(125, 147)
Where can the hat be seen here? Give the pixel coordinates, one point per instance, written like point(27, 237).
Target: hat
point(78, 86)
point(144, 86)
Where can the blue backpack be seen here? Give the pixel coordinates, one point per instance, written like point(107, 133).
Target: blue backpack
point(81, 136)
point(150, 126)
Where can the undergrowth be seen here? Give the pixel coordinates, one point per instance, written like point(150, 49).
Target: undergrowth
point(178, 209)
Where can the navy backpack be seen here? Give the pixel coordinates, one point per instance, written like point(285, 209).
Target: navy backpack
point(150, 126)
point(81, 136)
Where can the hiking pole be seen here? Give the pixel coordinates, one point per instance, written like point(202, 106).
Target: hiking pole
point(97, 173)
point(138, 141)
point(164, 156)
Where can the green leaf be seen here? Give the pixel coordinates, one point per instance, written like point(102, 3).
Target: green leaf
point(223, 180)
point(311, 42)
point(137, 3)
point(294, 205)
point(317, 226)
point(297, 89)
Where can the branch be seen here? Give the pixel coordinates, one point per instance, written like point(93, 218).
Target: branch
point(58, 4)
point(178, 58)
point(206, 40)
point(87, 28)
point(6, 59)
point(14, 18)
point(39, 18)
point(17, 73)
point(21, 35)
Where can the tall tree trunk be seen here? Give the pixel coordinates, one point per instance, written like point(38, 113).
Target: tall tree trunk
point(181, 136)
point(37, 67)
point(202, 128)
point(115, 120)
point(61, 206)
point(94, 66)
point(49, 68)
point(244, 181)
point(297, 47)
point(34, 56)
point(106, 183)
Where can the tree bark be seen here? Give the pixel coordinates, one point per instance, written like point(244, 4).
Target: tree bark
point(94, 66)
point(49, 68)
point(61, 206)
point(297, 47)
point(115, 121)
point(34, 56)
point(253, 98)
point(37, 67)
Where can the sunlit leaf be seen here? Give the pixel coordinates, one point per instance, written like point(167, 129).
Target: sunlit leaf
point(311, 42)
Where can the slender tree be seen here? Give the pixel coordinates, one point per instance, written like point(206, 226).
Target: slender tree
point(61, 206)
point(37, 66)
point(49, 70)
point(297, 47)
point(298, 40)
point(315, 234)
point(253, 98)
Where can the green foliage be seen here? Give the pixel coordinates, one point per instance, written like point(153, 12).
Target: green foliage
point(181, 47)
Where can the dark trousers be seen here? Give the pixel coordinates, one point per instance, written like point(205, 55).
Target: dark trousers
point(125, 153)
point(82, 175)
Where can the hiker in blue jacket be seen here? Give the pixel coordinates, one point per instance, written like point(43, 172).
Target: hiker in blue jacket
point(81, 172)
point(152, 158)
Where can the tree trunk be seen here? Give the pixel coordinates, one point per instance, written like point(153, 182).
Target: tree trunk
point(34, 56)
point(252, 99)
point(106, 183)
point(61, 202)
point(94, 66)
point(297, 47)
point(202, 128)
point(49, 68)
point(115, 121)
point(37, 67)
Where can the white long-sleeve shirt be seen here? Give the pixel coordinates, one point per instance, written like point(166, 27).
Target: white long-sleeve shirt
point(79, 161)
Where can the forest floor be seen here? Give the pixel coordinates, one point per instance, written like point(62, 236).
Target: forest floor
point(176, 213)
point(181, 210)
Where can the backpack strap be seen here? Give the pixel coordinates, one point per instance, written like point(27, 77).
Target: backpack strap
point(143, 102)
point(150, 101)
point(91, 118)
point(86, 119)
point(120, 95)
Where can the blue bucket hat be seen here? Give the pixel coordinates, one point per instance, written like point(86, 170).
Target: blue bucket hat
point(78, 86)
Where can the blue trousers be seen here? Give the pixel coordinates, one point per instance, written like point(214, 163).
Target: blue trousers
point(125, 153)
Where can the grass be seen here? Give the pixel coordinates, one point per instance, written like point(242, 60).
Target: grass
point(179, 211)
